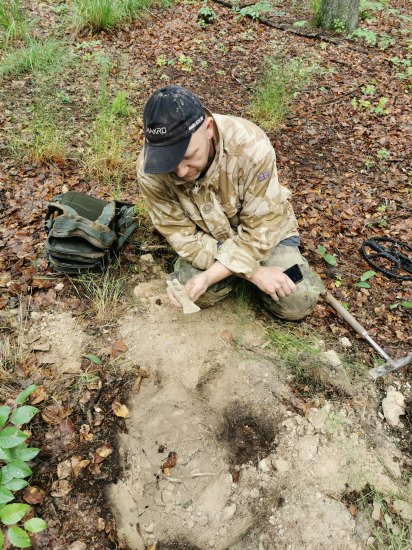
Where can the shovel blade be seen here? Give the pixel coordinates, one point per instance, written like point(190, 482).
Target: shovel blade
point(381, 370)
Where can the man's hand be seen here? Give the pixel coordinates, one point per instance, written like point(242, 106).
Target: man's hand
point(273, 282)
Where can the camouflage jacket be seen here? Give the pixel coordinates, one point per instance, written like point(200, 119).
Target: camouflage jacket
point(236, 214)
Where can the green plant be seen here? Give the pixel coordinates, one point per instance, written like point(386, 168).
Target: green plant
point(338, 25)
point(120, 106)
point(406, 304)
point(185, 62)
point(205, 16)
point(329, 258)
point(14, 457)
point(280, 82)
point(133, 9)
point(369, 163)
point(382, 154)
point(369, 89)
point(365, 277)
point(293, 348)
point(254, 10)
point(104, 291)
point(379, 109)
point(36, 56)
point(95, 15)
point(367, 35)
point(13, 23)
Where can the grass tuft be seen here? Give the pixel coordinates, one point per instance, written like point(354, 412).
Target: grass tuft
point(36, 56)
point(280, 82)
point(104, 291)
point(13, 23)
point(294, 349)
point(95, 16)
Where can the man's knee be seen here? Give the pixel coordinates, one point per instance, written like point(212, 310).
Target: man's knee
point(183, 271)
point(301, 303)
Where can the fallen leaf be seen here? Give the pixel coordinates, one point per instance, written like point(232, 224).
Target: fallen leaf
point(142, 373)
point(38, 395)
point(33, 495)
point(236, 476)
point(64, 469)
point(60, 488)
point(118, 347)
point(120, 410)
point(170, 462)
point(85, 434)
point(101, 524)
point(102, 452)
point(53, 414)
point(78, 464)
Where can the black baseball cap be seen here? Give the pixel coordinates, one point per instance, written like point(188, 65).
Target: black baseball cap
point(171, 115)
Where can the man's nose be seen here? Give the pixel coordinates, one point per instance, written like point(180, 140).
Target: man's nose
point(181, 170)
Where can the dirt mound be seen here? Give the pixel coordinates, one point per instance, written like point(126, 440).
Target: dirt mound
point(250, 473)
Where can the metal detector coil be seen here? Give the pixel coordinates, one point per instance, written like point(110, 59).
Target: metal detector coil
point(388, 256)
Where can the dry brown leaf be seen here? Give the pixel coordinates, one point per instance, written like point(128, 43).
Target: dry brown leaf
point(85, 434)
point(60, 488)
point(101, 525)
point(142, 373)
point(33, 495)
point(170, 463)
point(64, 469)
point(38, 395)
point(53, 414)
point(102, 452)
point(120, 409)
point(78, 464)
point(118, 347)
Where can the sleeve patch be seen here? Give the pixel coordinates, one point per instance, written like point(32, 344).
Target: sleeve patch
point(263, 176)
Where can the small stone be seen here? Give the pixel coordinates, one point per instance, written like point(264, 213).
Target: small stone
point(149, 528)
point(370, 541)
point(388, 519)
point(59, 287)
point(265, 465)
point(345, 342)
point(393, 406)
point(35, 315)
point(281, 465)
point(403, 509)
point(229, 512)
point(148, 258)
point(377, 511)
point(77, 545)
point(396, 530)
point(254, 493)
point(331, 358)
point(272, 520)
point(212, 543)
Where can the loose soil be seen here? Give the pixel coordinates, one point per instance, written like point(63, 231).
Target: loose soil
point(267, 457)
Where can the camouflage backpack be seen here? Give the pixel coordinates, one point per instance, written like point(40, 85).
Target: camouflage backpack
point(84, 233)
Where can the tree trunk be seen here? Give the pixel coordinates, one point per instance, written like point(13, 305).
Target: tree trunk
point(338, 15)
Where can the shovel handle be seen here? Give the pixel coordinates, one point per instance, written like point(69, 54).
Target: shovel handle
point(349, 318)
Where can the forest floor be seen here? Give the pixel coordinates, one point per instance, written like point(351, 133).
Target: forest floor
point(299, 452)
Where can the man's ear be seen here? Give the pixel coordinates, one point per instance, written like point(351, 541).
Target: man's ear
point(209, 127)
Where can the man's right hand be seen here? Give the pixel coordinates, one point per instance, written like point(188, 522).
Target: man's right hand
point(273, 282)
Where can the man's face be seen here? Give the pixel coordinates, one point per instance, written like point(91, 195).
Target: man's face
point(199, 153)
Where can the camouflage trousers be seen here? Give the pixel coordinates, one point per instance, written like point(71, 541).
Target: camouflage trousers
point(293, 307)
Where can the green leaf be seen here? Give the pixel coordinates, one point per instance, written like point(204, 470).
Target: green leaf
point(5, 495)
point(393, 306)
point(407, 305)
point(24, 414)
point(35, 525)
point(23, 395)
point(330, 259)
point(367, 275)
point(4, 414)
point(16, 484)
point(11, 437)
point(93, 359)
point(5, 455)
point(22, 452)
point(321, 250)
point(18, 537)
point(12, 513)
point(15, 468)
point(363, 285)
